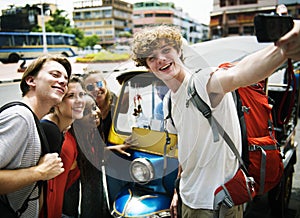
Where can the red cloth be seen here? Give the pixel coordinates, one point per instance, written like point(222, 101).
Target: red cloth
point(58, 185)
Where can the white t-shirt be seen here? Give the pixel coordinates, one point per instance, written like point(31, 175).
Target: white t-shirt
point(20, 147)
point(206, 164)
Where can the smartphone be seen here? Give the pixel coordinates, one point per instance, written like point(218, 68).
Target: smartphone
point(270, 27)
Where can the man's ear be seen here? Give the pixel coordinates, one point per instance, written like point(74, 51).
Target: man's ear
point(30, 80)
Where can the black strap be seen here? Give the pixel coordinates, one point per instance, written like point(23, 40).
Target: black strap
point(215, 125)
point(169, 115)
point(45, 149)
point(202, 107)
point(44, 142)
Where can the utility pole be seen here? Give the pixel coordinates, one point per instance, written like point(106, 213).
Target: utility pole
point(45, 51)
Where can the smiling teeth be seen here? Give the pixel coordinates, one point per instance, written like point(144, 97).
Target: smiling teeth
point(164, 67)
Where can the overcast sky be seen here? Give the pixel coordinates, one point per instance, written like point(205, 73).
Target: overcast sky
point(197, 9)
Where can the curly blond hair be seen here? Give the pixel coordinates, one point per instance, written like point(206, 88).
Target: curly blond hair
point(149, 39)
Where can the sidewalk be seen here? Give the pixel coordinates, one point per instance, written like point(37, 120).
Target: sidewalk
point(9, 72)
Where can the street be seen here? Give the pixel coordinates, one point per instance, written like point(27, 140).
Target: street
point(9, 88)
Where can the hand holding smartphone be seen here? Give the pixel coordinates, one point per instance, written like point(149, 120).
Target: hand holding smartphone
point(270, 27)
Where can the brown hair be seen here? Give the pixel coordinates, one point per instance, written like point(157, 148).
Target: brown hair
point(149, 39)
point(34, 68)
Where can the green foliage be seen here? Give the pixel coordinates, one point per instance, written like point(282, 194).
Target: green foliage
point(103, 56)
point(61, 24)
point(125, 34)
point(59, 21)
point(89, 41)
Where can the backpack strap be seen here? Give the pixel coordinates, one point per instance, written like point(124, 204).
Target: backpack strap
point(169, 115)
point(215, 125)
point(44, 142)
point(240, 111)
point(45, 149)
point(202, 107)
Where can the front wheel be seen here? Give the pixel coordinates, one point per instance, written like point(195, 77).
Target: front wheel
point(13, 58)
point(279, 197)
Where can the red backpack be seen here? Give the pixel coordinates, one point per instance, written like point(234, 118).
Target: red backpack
point(265, 160)
point(261, 162)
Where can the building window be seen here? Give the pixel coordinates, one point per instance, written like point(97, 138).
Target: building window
point(98, 23)
point(98, 14)
point(248, 30)
point(107, 13)
point(139, 5)
point(138, 26)
point(87, 15)
point(162, 15)
point(233, 30)
point(148, 15)
point(245, 2)
point(222, 3)
point(108, 22)
point(149, 4)
point(232, 17)
point(77, 14)
point(232, 2)
point(108, 32)
point(137, 16)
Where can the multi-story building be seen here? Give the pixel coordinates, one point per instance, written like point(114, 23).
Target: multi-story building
point(108, 19)
point(235, 17)
point(156, 12)
point(25, 18)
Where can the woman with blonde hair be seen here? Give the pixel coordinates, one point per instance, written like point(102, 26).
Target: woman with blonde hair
point(96, 85)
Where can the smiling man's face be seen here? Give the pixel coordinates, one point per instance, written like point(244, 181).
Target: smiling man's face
point(51, 82)
point(164, 61)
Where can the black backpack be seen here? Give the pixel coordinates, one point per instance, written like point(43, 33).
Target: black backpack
point(5, 208)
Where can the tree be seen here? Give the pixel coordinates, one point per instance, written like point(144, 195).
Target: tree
point(60, 23)
point(90, 41)
point(125, 34)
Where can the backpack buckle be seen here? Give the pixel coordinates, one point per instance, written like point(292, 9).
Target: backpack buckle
point(187, 101)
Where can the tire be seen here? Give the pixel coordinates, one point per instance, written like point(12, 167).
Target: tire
point(13, 58)
point(279, 197)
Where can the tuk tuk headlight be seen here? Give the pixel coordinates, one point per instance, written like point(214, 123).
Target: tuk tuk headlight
point(141, 170)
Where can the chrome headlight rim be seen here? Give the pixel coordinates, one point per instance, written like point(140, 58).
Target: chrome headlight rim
point(144, 166)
